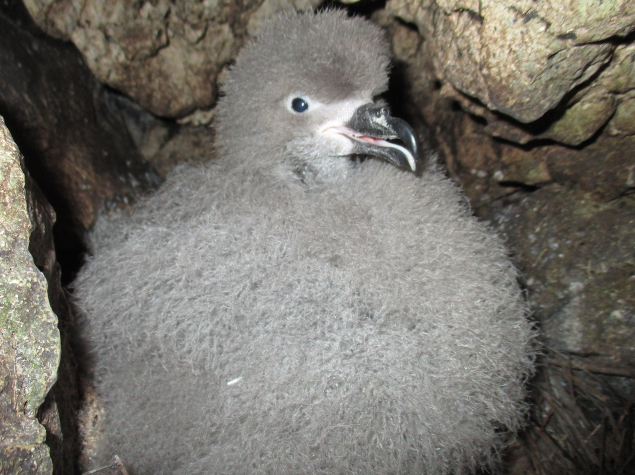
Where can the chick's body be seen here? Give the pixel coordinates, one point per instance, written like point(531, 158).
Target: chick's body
point(282, 310)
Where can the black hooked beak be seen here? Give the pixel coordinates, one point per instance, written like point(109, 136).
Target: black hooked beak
point(372, 126)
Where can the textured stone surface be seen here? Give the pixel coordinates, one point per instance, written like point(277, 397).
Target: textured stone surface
point(165, 55)
point(519, 58)
point(58, 414)
point(605, 168)
point(490, 169)
point(75, 144)
point(29, 336)
point(597, 118)
point(623, 122)
point(579, 258)
point(607, 98)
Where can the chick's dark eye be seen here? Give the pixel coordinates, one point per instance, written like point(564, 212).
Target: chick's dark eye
point(299, 105)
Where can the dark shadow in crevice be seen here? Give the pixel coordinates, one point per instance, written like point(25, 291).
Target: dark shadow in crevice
point(364, 9)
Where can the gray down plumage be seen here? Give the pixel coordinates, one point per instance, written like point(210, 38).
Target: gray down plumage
point(286, 310)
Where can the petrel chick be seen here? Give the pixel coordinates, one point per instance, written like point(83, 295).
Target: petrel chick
point(286, 309)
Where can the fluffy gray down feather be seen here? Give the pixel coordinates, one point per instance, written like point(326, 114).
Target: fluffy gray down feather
point(251, 318)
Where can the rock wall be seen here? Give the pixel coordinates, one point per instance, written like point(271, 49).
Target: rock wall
point(73, 139)
point(29, 337)
point(522, 58)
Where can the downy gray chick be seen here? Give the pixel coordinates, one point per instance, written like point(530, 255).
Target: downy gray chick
point(287, 310)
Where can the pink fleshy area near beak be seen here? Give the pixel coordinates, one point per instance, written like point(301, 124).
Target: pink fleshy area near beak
point(354, 135)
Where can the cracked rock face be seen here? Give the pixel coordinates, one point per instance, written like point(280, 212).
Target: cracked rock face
point(29, 337)
point(74, 141)
point(524, 59)
point(165, 55)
